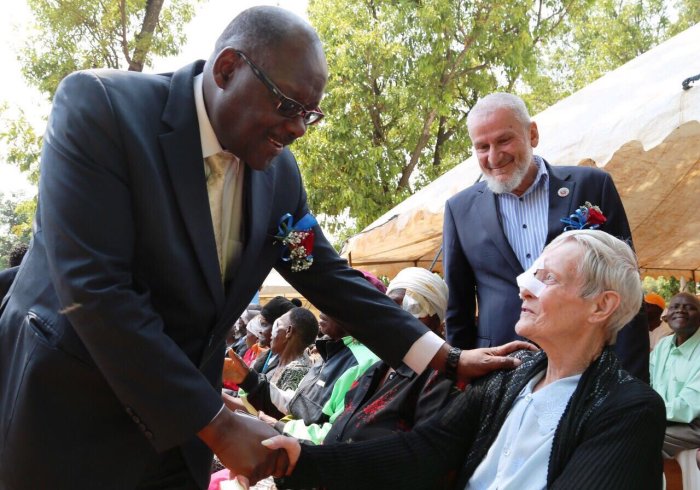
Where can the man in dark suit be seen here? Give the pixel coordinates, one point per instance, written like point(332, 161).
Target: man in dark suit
point(159, 202)
point(494, 230)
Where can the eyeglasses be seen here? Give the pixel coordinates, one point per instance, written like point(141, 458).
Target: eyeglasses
point(286, 106)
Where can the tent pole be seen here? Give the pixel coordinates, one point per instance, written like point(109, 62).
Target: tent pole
point(437, 256)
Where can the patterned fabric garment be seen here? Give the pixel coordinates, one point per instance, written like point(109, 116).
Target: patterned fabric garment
point(289, 376)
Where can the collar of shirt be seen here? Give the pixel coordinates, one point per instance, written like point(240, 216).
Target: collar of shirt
point(542, 177)
point(687, 348)
point(210, 143)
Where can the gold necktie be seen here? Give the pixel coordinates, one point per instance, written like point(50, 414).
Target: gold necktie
point(218, 163)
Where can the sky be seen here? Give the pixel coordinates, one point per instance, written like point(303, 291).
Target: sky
point(210, 19)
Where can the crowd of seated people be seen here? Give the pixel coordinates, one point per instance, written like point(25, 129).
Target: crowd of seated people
point(568, 417)
point(307, 411)
point(237, 337)
point(257, 340)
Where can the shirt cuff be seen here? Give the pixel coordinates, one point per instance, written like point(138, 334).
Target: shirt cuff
point(217, 413)
point(422, 351)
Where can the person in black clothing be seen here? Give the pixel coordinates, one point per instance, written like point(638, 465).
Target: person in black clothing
point(568, 417)
point(386, 400)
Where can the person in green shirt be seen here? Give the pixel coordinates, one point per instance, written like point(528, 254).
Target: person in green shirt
point(675, 374)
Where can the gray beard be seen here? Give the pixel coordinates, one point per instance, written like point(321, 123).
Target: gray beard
point(499, 187)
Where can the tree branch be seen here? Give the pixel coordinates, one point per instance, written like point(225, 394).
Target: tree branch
point(145, 36)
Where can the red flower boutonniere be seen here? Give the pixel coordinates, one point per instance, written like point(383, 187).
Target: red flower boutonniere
point(587, 216)
point(298, 240)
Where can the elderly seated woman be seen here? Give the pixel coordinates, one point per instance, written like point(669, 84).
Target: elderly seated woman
point(568, 417)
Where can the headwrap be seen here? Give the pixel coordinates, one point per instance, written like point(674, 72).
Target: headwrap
point(255, 327)
point(655, 299)
point(426, 292)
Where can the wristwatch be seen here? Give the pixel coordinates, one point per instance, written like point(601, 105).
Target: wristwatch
point(452, 362)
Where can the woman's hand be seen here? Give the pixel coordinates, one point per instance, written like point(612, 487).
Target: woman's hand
point(289, 444)
point(235, 370)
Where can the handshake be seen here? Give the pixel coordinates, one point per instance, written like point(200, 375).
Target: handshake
point(250, 448)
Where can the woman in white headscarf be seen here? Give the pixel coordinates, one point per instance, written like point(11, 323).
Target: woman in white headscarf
point(385, 400)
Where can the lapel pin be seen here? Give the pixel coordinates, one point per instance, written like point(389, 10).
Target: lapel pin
point(563, 192)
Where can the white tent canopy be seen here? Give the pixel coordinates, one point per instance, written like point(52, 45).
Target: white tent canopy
point(637, 122)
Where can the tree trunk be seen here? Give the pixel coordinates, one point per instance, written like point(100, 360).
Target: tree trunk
point(143, 38)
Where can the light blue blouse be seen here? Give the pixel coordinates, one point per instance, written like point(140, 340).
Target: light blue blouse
point(519, 457)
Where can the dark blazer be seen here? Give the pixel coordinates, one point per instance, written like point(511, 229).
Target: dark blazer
point(480, 265)
point(112, 341)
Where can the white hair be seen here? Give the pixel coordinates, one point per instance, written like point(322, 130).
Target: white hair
point(500, 100)
point(608, 264)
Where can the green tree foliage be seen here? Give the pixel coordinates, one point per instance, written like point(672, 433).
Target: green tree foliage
point(666, 287)
point(14, 216)
point(23, 144)
point(403, 75)
point(609, 34)
point(71, 35)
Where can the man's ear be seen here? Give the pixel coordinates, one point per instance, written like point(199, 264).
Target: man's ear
point(225, 65)
point(604, 306)
point(534, 134)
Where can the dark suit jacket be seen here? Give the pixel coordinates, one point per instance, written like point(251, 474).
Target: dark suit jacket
point(116, 352)
point(480, 265)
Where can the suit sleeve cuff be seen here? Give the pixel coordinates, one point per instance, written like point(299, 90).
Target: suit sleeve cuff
point(422, 351)
point(217, 413)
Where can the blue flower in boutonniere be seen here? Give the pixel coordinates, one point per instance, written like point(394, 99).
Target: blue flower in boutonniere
point(298, 239)
point(587, 216)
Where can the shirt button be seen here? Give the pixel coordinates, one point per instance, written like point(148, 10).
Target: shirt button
point(528, 398)
point(524, 226)
point(506, 452)
point(528, 255)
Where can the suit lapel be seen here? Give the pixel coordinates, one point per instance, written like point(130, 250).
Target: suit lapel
point(491, 221)
point(560, 201)
point(183, 157)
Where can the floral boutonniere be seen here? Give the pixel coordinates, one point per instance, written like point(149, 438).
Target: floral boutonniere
point(298, 239)
point(587, 216)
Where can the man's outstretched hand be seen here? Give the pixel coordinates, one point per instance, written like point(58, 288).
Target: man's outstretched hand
point(474, 363)
point(478, 362)
point(236, 439)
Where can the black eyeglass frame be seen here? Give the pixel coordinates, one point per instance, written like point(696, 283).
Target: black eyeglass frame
point(286, 106)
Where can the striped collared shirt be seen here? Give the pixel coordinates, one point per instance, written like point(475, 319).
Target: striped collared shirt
point(524, 218)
